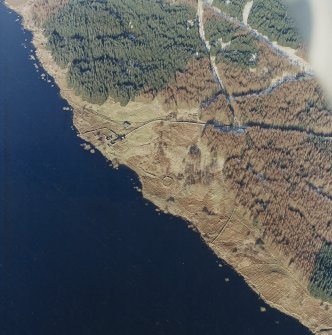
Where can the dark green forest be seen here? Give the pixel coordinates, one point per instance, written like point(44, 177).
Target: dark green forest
point(217, 27)
point(233, 8)
point(321, 280)
point(270, 18)
point(122, 48)
point(240, 52)
point(242, 47)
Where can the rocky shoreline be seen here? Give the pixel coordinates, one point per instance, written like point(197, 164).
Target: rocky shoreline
point(182, 176)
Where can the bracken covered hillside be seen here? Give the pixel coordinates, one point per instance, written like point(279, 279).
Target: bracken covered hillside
point(278, 156)
point(266, 128)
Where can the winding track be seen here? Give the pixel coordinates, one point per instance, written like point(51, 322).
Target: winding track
point(200, 16)
point(306, 74)
point(247, 10)
point(283, 51)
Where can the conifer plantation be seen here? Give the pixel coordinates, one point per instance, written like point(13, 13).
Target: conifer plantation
point(122, 48)
point(271, 19)
point(321, 282)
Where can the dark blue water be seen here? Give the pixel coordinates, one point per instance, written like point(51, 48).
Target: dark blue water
point(81, 253)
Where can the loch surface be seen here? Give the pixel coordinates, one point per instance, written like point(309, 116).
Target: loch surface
point(81, 252)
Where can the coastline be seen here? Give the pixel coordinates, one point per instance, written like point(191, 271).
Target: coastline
point(259, 267)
